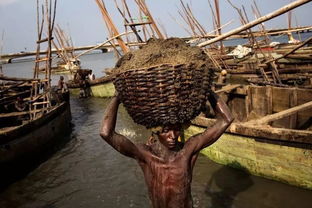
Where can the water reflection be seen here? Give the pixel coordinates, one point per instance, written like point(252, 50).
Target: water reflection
point(225, 184)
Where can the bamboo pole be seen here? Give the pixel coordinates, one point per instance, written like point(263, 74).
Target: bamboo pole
point(218, 20)
point(291, 51)
point(17, 79)
point(127, 21)
point(146, 12)
point(275, 73)
point(181, 25)
point(146, 33)
point(187, 21)
point(60, 41)
point(269, 16)
point(214, 21)
point(111, 25)
point(39, 31)
point(190, 19)
point(112, 38)
point(195, 21)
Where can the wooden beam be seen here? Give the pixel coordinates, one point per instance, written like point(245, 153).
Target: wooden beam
point(282, 114)
point(293, 101)
point(228, 88)
point(251, 24)
point(260, 132)
point(22, 113)
point(12, 86)
point(13, 114)
point(17, 79)
point(293, 50)
point(271, 133)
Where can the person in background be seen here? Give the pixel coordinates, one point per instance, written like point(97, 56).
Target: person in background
point(62, 85)
point(82, 77)
point(167, 163)
point(91, 76)
point(19, 104)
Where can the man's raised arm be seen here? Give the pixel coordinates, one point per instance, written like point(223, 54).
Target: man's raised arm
point(210, 135)
point(117, 141)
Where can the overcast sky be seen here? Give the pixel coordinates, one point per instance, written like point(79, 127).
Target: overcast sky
point(82, 19)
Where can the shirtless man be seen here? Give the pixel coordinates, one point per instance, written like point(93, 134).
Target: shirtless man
point(167, 164)
point(62, 85)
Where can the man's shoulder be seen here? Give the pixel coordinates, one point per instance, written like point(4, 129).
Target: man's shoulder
point(146, 147)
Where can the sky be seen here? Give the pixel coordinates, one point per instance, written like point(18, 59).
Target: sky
point(83, 21)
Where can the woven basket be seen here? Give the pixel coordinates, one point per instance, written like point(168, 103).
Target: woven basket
point(163, 94)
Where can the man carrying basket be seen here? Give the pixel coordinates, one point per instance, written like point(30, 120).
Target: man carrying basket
point(167, 164)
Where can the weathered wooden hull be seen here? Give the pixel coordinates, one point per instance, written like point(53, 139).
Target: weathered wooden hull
point(99, 90)
point(279, 149)
point(281, 161)
point(23, 146)
point(101, 87)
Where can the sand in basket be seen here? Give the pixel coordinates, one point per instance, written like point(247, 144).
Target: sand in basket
point(164, 82)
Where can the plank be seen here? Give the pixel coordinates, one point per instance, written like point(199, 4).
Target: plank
point(17, 79)
point(282, 114)
point(263, 132)
point(228, 88)
point(293, 101)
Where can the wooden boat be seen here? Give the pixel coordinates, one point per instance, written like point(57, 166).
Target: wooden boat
point(100, 87)
point(27, 133)
point(271, 134)
point(34, 115)
point(281, 64)
point(69, 67)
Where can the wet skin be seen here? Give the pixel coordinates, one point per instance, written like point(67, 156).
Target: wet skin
point(167, 164)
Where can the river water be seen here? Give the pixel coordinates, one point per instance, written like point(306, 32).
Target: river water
point(86, 172)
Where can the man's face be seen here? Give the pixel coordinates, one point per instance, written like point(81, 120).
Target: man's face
point(169, 136)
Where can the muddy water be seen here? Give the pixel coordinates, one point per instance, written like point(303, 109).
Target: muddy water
point(86, 172)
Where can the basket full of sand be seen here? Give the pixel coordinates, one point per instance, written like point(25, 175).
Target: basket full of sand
point(164, 82)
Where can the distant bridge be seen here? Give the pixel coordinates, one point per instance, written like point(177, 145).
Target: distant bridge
point(7, 58)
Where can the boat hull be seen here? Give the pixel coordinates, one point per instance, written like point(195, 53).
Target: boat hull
point(282, 161)
point(30, 143)
point(99, 90)
point(270, 136)
point(101, 87)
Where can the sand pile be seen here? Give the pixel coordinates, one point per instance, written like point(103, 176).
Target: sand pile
point(156, 51)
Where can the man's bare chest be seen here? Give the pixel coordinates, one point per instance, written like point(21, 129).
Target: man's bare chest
point(172, 171)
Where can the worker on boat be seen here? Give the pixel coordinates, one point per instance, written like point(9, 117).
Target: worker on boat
point(19, 104)
point(62, 85)
point(91, 76)
point(167, 163)
point(82, 77)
